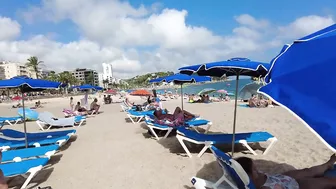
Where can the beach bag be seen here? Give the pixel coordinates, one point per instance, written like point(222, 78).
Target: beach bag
point(138, 108)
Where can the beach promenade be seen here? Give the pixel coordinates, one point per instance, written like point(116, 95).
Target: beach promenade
point(110, 152)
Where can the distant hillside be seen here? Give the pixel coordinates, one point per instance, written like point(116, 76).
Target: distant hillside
point(142, 80)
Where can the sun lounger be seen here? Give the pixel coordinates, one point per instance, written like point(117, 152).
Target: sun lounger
point(137, 116)
point(192, 124)
point(11, 120)
point(21, 154)
point(6, 144)
point(24, 168)
point(233, 177)
point(207, 140)
point(47, 118)
point(17, 134)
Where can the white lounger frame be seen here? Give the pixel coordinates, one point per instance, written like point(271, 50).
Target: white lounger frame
point(135, 118)
point(169, 129)
point(181, 138)
point(41, 124)
point(30, 174)
point(15, 122)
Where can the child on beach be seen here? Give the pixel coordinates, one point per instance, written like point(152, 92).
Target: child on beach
point(309, 178)
point(71, 104)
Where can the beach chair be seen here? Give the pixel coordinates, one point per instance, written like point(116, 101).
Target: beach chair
point(137, 116)
point(21, 154)
point(17, 134)
point(233, 176)
point(207, 140)
point(6, 144)
point(27, 168)
point(190, 124)
point(47, 118)
point(11, 120)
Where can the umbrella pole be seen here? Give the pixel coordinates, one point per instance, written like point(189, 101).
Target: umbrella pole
point(181, 97)
point(24, 118)
point(235, 115)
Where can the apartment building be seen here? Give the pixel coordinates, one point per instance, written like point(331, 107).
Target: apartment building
point(86, 76)
point(10, 69)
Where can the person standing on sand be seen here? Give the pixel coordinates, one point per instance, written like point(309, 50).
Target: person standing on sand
point(71, 104)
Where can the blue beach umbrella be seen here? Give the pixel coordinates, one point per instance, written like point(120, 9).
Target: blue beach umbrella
point(309, 61)
point(180, 79)
point(26, 84)
point(231, 67)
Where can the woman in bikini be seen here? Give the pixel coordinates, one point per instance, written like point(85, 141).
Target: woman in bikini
point(309, 178)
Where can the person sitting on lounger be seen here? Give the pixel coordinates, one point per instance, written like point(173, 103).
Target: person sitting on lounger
point(176, 119)
point(309, 178)
point(94, 106)
point(81, 110)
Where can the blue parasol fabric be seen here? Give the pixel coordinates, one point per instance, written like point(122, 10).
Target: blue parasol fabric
point(302, 80)
point(87, 87)
point(233, 66)
point(28, 84)
point(181, 78)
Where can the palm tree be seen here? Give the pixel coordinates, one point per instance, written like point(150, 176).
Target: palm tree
point(105, 82)
point(34, 63)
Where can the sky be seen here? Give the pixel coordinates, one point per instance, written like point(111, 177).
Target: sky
point(143, 36)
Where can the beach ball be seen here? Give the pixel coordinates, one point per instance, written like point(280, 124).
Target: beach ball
point(30, 114)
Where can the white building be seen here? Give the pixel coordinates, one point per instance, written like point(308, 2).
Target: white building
point(12, 69)
point(108, 74)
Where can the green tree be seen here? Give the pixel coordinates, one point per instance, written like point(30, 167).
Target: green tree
point(34, 64)
point(105, 83)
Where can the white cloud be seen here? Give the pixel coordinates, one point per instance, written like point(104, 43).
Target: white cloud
point(143, 39)
point(9, 29)
point(248, 20)
point(305, 25)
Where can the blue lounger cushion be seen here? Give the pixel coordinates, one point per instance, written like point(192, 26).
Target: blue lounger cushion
point(225, 138)
point(10, 118)
point(18, 168)
point(27, 152)
point(189, 123)
point(79, 118)
point(17, 134)
point(140, 113)
point(31, 142)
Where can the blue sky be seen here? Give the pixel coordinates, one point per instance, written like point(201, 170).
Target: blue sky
point(216, 15)
point(85, 33)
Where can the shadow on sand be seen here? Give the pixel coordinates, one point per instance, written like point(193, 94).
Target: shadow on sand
point(212, 171)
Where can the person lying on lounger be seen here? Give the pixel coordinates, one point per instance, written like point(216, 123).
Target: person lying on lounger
point(176, 119)
point(309, 178)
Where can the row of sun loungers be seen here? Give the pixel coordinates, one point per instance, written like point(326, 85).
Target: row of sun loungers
point(234, 176)
point(18, 160)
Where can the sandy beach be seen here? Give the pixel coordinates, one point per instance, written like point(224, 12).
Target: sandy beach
point(111, 152)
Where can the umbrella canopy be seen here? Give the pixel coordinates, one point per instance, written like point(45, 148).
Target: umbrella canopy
point(180, 79)
point(206, 91)
point(141, 92)
point(306, 63)
point(222, 91)
point(111, 91)
point(27, 84)
point(248, 90)
point(87, 87)
point(17, 98)
point(234, 66)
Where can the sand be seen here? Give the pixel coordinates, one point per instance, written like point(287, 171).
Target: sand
point(110, 152)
